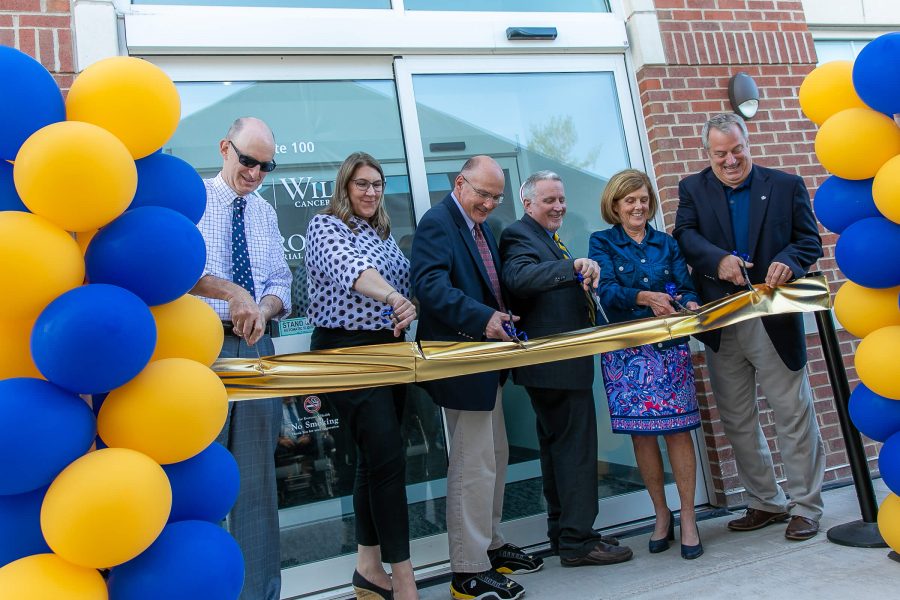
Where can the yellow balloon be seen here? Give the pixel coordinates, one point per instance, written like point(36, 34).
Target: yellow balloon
point(84, 238)
point(856, 142)
point(886, 189)
point(189, 328)
point(889, 521)
point(15, 349)
point(862, 310)
point(106, 508)
point(171, 411)
point(876, 361)
point(827, 90)
point(130, 97)
point(43, 576)
point(38, 262)
point(77, 175)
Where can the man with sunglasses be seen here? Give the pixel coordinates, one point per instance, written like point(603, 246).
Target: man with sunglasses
point(740, 224)
point(455, 270)
point(247, 282)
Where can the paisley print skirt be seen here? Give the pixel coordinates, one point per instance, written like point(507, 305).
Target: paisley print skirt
point(650, 391)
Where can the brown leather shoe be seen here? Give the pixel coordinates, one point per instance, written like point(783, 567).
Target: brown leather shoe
point(602, 554)
point(801, 528)
point(755, 518)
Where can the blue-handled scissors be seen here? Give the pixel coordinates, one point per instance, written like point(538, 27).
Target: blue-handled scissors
point(672, 291)
point(745, 258)
point(580, 279)
point(516, 335)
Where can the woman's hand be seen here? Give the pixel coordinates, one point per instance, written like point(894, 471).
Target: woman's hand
point(404, 312)
point(659, 302)
point(692, 306)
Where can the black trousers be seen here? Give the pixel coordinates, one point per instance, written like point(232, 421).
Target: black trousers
point(567, 432)
point(373, 415)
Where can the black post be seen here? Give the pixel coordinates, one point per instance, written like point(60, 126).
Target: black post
point(863, 533)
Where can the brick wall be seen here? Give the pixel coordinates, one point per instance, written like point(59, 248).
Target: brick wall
point(706, 42)
point(42, 29)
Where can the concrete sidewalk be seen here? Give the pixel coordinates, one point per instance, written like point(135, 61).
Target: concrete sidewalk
point(756, 564)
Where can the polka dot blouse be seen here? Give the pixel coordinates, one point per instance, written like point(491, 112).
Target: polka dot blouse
point(335, 258)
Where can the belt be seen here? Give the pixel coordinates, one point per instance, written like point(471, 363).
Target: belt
point(228, 326)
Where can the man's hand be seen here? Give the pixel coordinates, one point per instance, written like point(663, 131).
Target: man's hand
point(692, 306)
point(778, 274)
point(730, 269)
point(249, 322)
point(404, 313)
point(590, 271)
point(494, 329)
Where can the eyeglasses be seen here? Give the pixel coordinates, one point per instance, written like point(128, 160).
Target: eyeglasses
point(485, 195)
point(363, 185)
point(250, 162)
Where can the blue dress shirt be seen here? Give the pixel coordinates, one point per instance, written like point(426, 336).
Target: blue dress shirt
point(739, 206)
point(627, 268)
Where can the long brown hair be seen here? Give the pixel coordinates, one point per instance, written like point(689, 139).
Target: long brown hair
point(340, 205)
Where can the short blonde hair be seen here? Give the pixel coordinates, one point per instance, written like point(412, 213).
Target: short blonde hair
point(620, 185)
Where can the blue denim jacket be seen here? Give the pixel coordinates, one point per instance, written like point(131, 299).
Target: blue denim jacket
point(627, 268)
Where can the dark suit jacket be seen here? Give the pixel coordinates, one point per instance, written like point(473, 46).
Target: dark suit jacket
point(455, 299)
point(782, 229)
point(544, 293)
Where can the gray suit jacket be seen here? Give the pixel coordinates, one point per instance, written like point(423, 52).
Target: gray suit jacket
point(543, 291)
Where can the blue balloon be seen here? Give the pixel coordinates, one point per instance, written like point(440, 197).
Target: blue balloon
point(189, 560)
point(204, 487)
point(840, 203)
point(875, 416)
point(876, 73)
point(867, 253)
point(93, 339)
point(31, 100)
point(9, 197)
point(889, 463)
point(151, 251)
point(166, 180)
point(20, 522)
point(42, 429)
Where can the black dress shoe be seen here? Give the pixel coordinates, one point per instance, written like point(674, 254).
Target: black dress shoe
point(601, 554)
point(366, 590)
point(606, 539)
point(657, 546)
point(692, 552)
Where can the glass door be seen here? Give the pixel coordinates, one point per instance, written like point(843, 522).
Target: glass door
point(572, 115)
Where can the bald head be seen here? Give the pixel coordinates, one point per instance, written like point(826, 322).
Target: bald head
point(479, 187)
point(247, 138)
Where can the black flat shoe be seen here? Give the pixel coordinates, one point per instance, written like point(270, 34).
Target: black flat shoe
point(366, 590)
point(692, 552)
point(657, 546)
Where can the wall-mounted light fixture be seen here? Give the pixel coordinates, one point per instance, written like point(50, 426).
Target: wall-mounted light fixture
point(531, 33)
point(744, 95)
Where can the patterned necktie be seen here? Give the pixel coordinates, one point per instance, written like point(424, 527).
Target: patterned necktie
point(240, 256)
point(488, 261)
point(592, 311)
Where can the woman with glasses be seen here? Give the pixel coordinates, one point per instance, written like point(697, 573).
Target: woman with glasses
point(358, 283)
point(650, 388)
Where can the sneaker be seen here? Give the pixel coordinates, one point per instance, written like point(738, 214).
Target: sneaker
point(487, 585)
point(510, 560)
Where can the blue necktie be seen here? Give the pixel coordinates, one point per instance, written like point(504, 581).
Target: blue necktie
point(240, 256)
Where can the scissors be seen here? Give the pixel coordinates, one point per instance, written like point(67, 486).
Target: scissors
point(745, 258)
point(517, 336)
point(672, 291)
point(580, 279)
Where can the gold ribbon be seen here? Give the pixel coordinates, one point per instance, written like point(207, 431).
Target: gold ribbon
point(408, 362)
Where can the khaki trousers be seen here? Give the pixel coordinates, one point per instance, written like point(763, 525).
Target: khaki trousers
point(746, 356)
point(476, 475)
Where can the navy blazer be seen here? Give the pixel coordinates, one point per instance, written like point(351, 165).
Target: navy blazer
point(782, 229)
point(455, 299)
point(544, 293)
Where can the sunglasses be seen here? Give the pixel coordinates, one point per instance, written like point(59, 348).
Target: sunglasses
point(250, 162)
